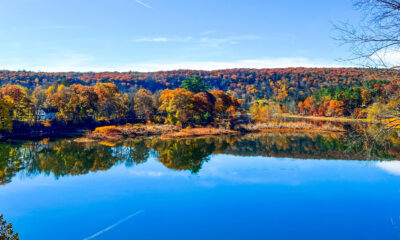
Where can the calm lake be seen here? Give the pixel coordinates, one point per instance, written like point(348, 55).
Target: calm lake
point(254, 186)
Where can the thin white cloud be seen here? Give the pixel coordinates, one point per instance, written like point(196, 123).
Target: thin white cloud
point(144, 4)
point(201, 40)
point(229, 39)
point(389, 57)
point(164, 39)
point(114, 225)
point(156, 39)
point(63, 60)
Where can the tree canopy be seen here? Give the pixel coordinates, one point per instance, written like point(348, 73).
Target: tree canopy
point(194, 84)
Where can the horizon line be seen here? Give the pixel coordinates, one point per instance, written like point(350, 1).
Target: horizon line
point(190, 69)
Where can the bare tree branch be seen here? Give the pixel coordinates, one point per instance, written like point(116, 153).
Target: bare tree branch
point(376, 36)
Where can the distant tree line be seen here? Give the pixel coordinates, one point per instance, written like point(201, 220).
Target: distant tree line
point(284, 85)
point(337, 92)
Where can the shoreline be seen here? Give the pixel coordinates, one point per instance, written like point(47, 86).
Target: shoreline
point(198, 132)
point(288, 130)
point(118, 132)
point(167, 132)
point(327, 119)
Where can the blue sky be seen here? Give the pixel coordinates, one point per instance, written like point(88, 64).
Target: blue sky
point(150, 35)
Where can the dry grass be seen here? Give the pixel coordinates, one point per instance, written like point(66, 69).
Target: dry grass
point(115, 133)
point(197, 132)
point(291, 127)
point(109, 134)
point(84, 140)
point(327, 119)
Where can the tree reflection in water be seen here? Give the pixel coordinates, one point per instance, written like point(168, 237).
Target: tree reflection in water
point(66, 157)
point(184, 154)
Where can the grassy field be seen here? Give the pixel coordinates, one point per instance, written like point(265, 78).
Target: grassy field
point(328, 119)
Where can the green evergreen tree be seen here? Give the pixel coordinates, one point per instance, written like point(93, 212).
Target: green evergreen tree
point(194, 84)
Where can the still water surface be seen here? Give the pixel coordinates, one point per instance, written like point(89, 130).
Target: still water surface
point(257, 186)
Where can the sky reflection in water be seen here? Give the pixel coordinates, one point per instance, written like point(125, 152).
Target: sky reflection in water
point(230, 197)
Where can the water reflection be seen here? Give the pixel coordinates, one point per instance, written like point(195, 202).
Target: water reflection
point(185, 154)
point(66, 157)
point(392, 167)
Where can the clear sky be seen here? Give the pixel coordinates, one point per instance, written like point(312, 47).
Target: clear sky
point(149, 35)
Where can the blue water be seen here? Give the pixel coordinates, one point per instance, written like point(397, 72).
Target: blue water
point(231, 197)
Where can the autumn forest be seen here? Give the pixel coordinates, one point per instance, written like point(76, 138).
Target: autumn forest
point(195, 97)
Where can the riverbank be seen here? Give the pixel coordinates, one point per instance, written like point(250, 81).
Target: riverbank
point(198, 132)
point(55, 129)
point(116, 133)
point(300, 126)
point(327, 119)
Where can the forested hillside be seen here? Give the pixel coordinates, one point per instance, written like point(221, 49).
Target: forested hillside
point(196, 97)
point(249, 84)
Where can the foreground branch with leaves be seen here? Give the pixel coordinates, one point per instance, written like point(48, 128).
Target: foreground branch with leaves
point(6, 230)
